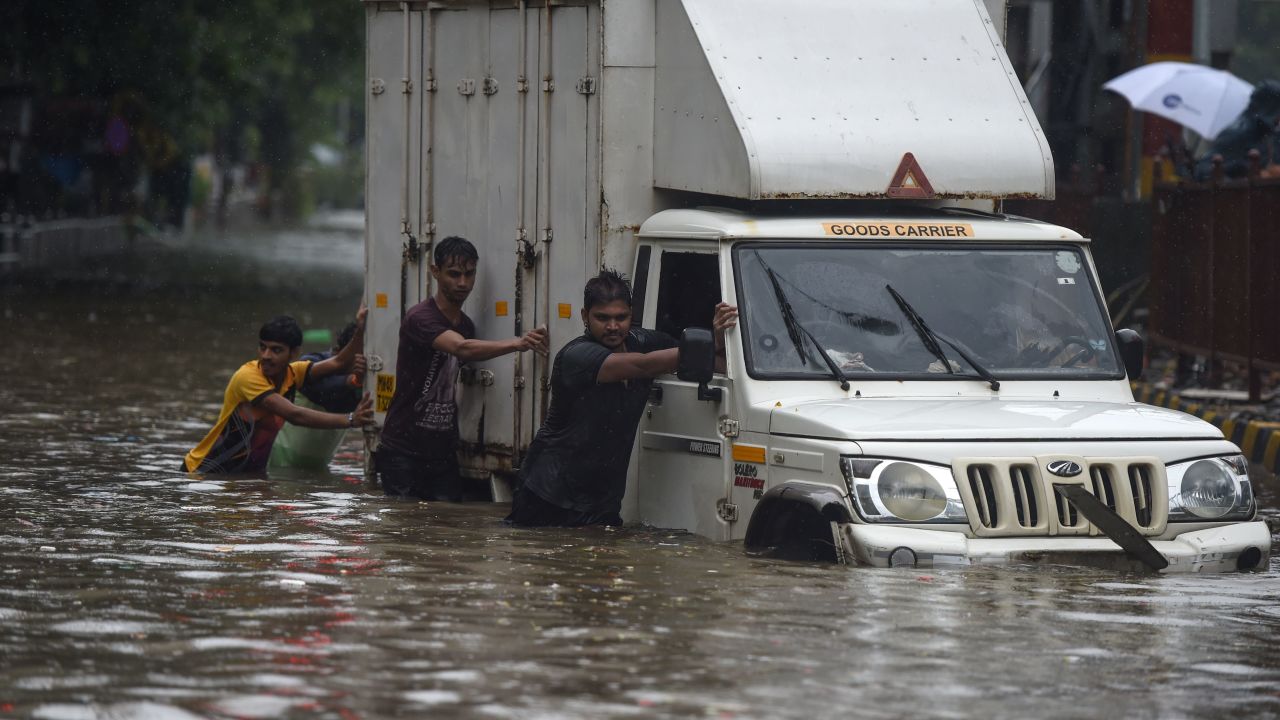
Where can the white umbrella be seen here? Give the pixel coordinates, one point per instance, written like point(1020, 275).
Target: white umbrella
point(1195, 96)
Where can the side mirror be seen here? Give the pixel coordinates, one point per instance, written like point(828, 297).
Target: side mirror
point(697, 361)
point(1133, 350)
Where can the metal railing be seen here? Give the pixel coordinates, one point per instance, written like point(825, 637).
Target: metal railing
point(53, 245)
point(1214, 262)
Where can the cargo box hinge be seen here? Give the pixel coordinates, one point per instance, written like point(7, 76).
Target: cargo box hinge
point(528, 255)
point(377, 86)
point(412, 250)
point(728, 428)
point(467, 87)
point(490, 86)
point(587, 85)
point(471, 375)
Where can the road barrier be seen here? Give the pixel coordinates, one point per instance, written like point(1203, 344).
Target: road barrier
point(1259, 438)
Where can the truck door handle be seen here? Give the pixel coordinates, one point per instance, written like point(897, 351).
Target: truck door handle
point(655, 395)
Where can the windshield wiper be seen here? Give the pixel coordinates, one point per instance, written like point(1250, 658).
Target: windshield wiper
point(794, 328)
point(930, 340)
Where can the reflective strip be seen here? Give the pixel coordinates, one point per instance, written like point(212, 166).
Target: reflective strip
point(749, 453)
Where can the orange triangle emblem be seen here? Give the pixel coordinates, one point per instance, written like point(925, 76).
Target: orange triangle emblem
point(909, 182)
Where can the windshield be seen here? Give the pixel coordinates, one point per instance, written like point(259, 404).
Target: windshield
point(1010, 312)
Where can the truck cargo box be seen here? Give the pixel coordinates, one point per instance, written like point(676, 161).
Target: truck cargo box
point(761, 99)
point(547, 133)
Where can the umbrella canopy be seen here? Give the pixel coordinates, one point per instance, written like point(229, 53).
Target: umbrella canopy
point(1195, 96)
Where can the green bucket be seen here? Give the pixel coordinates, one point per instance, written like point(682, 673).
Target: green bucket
point(322, 336)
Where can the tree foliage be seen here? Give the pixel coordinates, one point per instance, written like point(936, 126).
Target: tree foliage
point(207, 74)
point(1257, 53)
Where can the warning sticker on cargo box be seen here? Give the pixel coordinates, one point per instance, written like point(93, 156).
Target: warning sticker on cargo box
point(899, 230)
point(386, 388)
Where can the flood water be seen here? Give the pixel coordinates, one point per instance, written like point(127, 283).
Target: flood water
point(129, 590)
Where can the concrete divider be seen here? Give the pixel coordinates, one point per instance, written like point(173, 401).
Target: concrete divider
point(1259, 438)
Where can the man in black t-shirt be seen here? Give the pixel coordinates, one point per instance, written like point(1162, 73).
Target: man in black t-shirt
point(335, 393)
point(417, 457)
point(576, 469)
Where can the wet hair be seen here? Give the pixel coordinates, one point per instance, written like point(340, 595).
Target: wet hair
point(455, 248)
point(345, 336)
point(608, 286)
point(282, 329)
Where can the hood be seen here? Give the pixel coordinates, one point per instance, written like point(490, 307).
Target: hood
point(985, 419)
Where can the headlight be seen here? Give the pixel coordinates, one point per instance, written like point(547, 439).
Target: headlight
point(910, 493)
point(895, 491)
point(1210, 489)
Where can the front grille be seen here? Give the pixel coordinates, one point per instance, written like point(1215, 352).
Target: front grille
point(1068, 516)
point(1142, 488)
point(1025, 501)
point(1015, 496)
point(1103, 485)
point(982, 489)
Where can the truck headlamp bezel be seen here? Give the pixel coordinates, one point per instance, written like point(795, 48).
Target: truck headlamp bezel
point(1195, 485)
point(872, 481)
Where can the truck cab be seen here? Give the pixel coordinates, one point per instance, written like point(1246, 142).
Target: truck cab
point(909, 389)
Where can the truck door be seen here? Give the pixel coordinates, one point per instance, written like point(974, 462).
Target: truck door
point(503, 150)
point(682, 459)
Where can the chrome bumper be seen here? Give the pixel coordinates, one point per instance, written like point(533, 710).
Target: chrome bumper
point(1213, 550)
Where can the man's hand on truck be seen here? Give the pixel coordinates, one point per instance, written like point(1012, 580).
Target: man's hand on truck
point(726, 317)
point(535, 340)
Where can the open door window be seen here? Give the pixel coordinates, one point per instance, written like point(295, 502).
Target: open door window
point(688, 290)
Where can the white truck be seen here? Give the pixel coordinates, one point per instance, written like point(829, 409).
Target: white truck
point(916, 379)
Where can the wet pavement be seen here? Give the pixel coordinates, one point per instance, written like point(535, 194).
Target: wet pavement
point(129, 590)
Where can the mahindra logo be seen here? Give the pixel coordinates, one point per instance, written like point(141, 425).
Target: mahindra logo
point(1064, 468)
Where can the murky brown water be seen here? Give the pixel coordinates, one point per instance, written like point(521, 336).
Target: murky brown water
point(128, 590)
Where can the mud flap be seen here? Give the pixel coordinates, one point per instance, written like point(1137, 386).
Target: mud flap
point(1113, 526)
point(499, 489)
point(844, 553)
point(370, 446)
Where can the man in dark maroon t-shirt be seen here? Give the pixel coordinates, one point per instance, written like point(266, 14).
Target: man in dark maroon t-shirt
point(417, 457)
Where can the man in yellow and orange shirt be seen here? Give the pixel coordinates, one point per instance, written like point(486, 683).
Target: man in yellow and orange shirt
point(259, 400)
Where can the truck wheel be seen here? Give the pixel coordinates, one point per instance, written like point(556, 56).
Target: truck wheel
point(798, 522)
